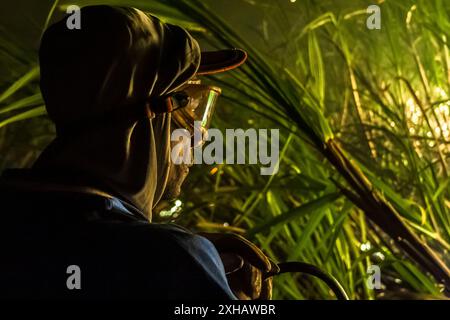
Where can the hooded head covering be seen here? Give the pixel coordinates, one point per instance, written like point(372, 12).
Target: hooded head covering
point(95, 82)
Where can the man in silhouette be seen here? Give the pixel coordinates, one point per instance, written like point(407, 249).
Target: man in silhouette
point(77, 224)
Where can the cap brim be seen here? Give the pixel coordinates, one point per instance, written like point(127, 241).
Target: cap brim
point(220, 61)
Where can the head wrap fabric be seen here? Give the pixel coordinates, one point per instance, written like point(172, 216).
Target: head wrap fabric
point(118, 59)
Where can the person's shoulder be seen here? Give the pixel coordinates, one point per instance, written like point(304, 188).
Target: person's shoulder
point(144, 230)
point(172, 236)
point(191, 260)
